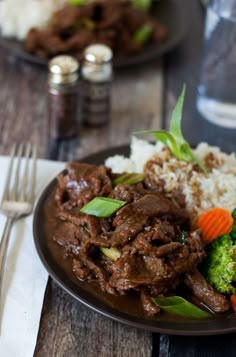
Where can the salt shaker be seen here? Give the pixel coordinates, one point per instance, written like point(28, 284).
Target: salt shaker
point(63, 97)
point(97, 77)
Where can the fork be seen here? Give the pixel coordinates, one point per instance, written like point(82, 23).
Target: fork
point(18, 195)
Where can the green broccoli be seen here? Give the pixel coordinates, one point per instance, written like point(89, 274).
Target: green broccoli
point(220, 265)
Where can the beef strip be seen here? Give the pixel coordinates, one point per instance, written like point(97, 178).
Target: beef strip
point(67, 235)
point(126, 193)
point(86, 257)
point(147, 303)
point(160, 233)
point(205, 293)
point(152, 204)
point(131, 271)
point(80, 270)
point(91, 225)
point(126, 230)
point(82, 183)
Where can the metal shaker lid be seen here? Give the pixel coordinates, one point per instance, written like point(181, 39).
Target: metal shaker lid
point(63, 69)
point(98, 54)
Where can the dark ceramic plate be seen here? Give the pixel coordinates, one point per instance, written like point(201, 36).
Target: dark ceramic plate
point(168, 12)
point(95, 299)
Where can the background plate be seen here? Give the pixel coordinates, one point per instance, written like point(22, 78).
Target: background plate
point(170, 14)
point(215, 325)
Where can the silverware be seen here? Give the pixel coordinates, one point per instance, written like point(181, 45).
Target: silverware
point(18, 195)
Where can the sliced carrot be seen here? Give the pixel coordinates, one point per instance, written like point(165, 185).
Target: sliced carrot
point(233, 301)
point(215, 222)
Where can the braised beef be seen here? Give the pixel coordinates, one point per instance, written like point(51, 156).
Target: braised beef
point(112, 23)
point(158, 251)
point(126, 193)
point(81, 184)
point(148, 305)
point(205, 293)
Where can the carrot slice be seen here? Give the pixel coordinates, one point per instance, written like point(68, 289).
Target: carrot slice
point(215, 222)
point(233, 301)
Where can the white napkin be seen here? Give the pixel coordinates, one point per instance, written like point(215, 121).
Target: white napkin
point(25, 278)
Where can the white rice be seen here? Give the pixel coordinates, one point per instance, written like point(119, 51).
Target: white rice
point(17, 17)
point(202, 192)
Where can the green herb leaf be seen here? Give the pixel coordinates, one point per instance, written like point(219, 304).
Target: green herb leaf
point(174, 138)
point(175, 122)
point(112, 253)
point(143, 5)
point(166, 138)
point(183, 237)
point(102, 206)
point(179, 306)
point(128, 179)
point(143, 34)
point(76, 2)
point(86, 228)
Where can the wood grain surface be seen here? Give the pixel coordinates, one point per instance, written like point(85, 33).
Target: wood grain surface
point(67, 327)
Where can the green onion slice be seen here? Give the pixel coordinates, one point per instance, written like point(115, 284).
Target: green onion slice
point(142, 5)
point(179, 306)
point(128, 179)
point(143, 34)
point(112, 253)
point(102, 206)
point(86, 228)
point(76, 2)
point(182, 238)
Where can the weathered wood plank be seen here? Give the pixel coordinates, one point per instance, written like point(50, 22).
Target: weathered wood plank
point(70, 329)
point(207, 346)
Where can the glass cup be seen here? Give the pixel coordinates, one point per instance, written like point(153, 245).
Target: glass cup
point(216, 100)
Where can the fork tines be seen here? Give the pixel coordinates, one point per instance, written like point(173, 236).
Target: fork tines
point(18, 184)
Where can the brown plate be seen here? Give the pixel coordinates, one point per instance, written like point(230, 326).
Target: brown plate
point(222, 324)
point(168, 12)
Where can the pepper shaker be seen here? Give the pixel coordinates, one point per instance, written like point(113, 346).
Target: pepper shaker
point(97, 77)
point(63, 97)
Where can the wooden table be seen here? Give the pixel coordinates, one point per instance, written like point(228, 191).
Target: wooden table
point(140, 96)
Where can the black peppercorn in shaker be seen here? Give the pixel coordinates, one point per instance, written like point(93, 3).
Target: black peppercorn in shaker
point(63, 97)
point(97, 76)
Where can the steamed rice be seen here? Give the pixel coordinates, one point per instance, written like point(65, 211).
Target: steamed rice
point(18, 16)
point(202, 192)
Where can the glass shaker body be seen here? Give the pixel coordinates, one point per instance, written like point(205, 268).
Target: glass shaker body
point(63, 97)
point(216, 100)
point(97, 75)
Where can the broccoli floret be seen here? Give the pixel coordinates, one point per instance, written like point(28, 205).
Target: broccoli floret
point(220, 265)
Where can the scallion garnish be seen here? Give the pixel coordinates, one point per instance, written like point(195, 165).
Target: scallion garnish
point(174, 138)
point(102, 206)
point(86, 228)
point(143, 34)
point(142, 5)
point(128, 179)
point(112, 253)
point(76, 2)
point(182, 238)
point(179, 306)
